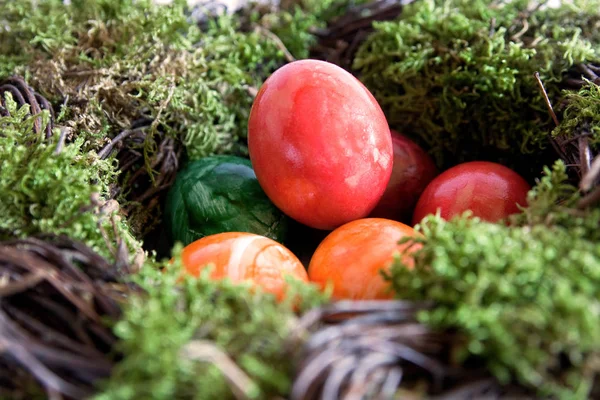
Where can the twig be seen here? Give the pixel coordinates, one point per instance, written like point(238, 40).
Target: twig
point(24, 94)
point(120, 137)
point(24, 283)
point(61, 140)
point(127, 164)
point(107, 241)
point(558, 148)
point(207, 352)
point(546, 98)
point(368, 347)
point(31, 263)
point(469, 390)
point(517, 35)
point(30, 98)
point(492, 27)
point(594, 68)
point(587, 71)
point(288, 56)
point(54, 395)
point(22, 355)
point(86, 74)
point(54, 330)
point(576, 137)
point(588, 179)
point(574, 83)
point(252, 91)
point(45, 105)
point(585, 155)
point(51, 335)
point(152, 192)
point(590, 199)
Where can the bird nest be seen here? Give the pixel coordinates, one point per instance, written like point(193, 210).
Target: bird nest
point(56, 294)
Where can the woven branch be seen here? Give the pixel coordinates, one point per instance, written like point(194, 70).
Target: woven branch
point(55, 294)
point(142, 181)
point(378, 349)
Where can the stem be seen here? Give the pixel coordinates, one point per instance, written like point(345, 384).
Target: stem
point(546, 98)
point(585, 155)
point(288, 56)
point(207, 352)
point(590, 199)
point(117, 139)
point(588, 179)
point(61, 140)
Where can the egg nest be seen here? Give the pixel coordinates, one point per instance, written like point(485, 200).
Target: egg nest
point(83, 296)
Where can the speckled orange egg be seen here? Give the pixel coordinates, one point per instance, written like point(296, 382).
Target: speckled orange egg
point(242, 256)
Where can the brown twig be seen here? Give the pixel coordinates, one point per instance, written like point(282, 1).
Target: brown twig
point(145, 176)
point(50, 334)
point(546, 98)
point(23, 357)
point(61, 140)
point(105, 151)
point(54, 297)
point(585, 154)
point(26, 282)
point(280, 45)
point(204, 351)
point(592, 198)
point(588, 179)
point(252, 91)
point(492, 27)
point(517, 35)
point(558, 147)
point(588, 72)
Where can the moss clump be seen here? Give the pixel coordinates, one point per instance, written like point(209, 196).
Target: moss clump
point(525, 297)
point(459, 75)
point(170, 335)
point(553, 202)
point(115, 63)
point(581, 115)
point(48, 188)
point(146, 71)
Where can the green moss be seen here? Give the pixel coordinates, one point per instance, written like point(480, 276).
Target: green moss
point(581, 114)
point(43, 190)
point(459, 75)
point(552, 202)
point(117, 62)
point(525, 298)
point(163, 329)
